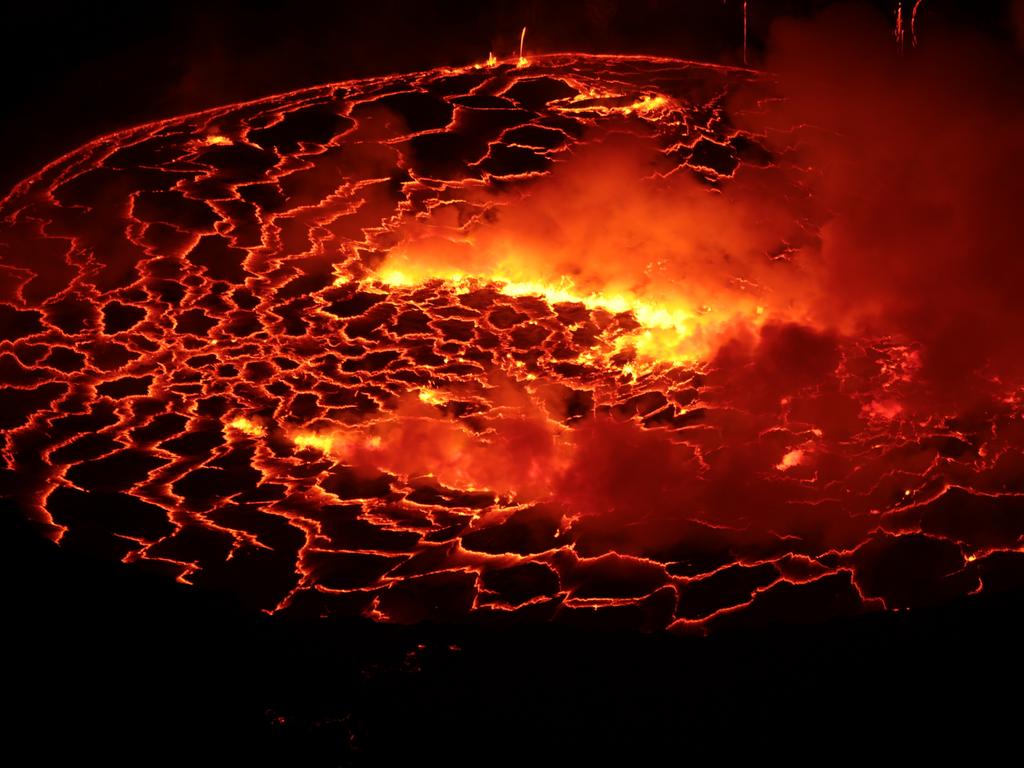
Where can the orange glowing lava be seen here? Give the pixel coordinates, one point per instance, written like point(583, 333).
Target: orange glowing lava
point(536, 339)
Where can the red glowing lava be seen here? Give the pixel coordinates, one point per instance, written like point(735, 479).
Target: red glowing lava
point(539, 339)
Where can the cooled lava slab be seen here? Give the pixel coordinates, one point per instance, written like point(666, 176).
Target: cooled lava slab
point(210, 365)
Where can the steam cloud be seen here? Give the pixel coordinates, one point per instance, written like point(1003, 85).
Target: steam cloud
point(889, 213)
point(917, 158)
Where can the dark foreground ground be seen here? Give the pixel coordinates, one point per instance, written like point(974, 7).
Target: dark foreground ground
point(108, 664)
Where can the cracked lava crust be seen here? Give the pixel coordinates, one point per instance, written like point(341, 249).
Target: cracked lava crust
point(479, 344)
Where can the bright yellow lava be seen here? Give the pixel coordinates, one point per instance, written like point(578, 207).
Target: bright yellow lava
point(217, 139)
point(647, 104)
point(588, 101)
point(523, 61)
point(322, 443)
point(251, 428)
point(790, 460)
point(669, 333)
point(492, 61)
point(432, 397)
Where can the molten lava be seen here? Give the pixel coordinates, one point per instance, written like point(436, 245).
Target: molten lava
point(537, 340)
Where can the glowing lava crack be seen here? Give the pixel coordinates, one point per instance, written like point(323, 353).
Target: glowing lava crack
point(492, 343)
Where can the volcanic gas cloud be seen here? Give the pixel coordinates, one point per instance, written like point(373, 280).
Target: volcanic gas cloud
point(582, 338)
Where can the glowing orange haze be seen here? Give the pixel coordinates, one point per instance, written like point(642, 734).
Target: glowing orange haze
point(518, 455)
point(608, 231)
point(816, 244)
point(610, 228)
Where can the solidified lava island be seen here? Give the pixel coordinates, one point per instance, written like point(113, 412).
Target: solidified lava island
point(521, 341)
